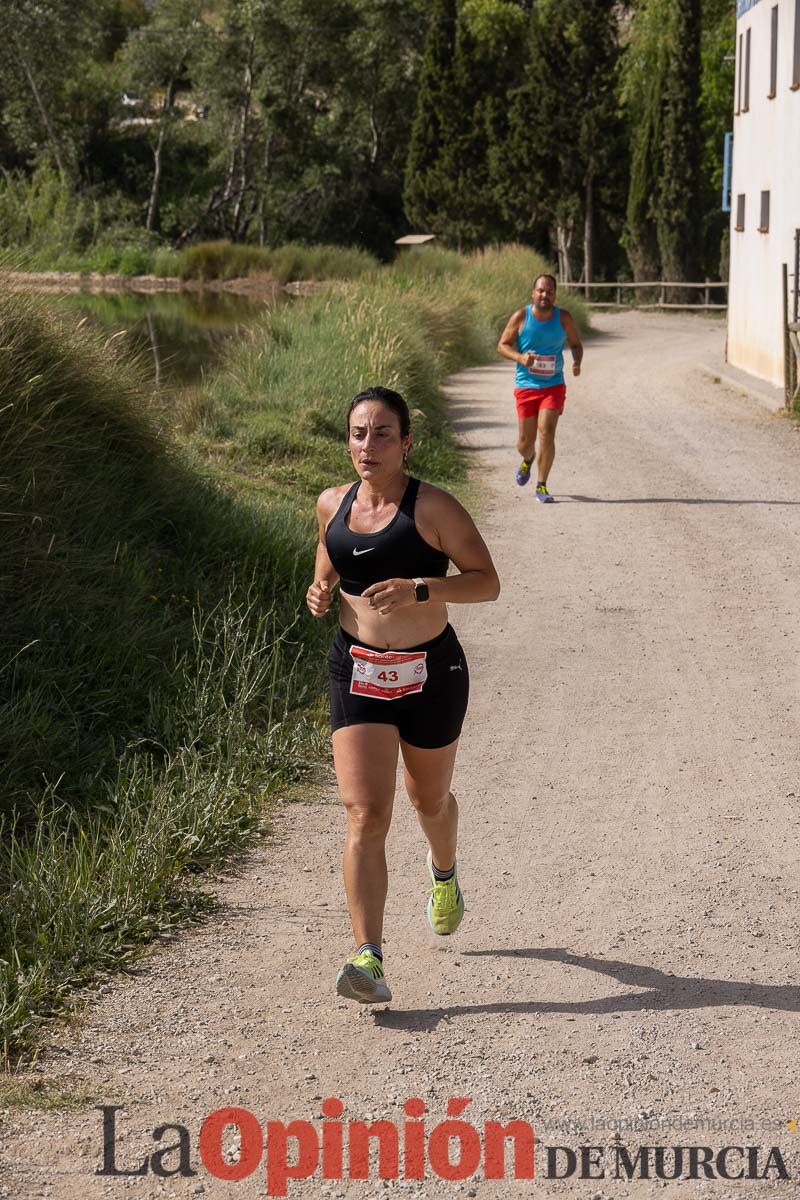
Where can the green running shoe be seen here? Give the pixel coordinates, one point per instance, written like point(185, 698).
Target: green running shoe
point(361, 979)
point(445, 904)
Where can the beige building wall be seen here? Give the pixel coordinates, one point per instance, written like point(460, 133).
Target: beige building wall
point(766, 158)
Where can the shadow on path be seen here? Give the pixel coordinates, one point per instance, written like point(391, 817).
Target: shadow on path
point(662, 991)
point(566, 499)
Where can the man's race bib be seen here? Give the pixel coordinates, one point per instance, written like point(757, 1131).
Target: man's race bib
point(387, 675)
point(543, 364)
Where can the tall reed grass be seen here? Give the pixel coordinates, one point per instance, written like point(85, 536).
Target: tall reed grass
point(149, 685)
point(276, 409)
point(227, 260)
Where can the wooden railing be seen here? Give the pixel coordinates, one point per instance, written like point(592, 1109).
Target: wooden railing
point(707, 286)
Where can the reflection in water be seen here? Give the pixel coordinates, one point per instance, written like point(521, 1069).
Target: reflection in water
point(178, 337)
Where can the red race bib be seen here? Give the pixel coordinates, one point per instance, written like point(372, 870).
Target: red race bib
point(387, 674)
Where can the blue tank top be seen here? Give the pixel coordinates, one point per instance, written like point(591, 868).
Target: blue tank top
point(546, 339)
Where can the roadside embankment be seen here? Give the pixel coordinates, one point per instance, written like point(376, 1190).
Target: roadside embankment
point(160, 677)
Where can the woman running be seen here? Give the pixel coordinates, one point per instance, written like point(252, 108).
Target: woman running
point(398, 678)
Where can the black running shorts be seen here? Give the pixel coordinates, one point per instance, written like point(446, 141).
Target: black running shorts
point(428, 719)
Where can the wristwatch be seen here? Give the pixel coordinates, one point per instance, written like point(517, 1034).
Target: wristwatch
point(421, 590)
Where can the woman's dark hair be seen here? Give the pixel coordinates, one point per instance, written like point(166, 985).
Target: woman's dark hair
point(392, 400)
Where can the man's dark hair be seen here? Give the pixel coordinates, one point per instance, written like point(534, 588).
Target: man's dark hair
point(544, 275)
point(392, 400)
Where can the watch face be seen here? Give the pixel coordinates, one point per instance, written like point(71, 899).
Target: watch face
point(422, 591)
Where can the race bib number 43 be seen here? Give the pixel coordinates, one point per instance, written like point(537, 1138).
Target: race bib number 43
point(388, 675)
point(543, 364)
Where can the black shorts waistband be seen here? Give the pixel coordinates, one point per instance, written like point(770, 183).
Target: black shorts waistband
point(348, 640)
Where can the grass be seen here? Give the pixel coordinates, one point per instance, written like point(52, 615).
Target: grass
point(159, 675)
point(273, 417)
point(27, 1092)
point(225, 260)
point(124, 253)
point(149, 687)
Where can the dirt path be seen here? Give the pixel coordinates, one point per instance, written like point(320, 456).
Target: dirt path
point(630, 813)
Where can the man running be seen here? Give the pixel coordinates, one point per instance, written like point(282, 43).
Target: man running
point(534, 339)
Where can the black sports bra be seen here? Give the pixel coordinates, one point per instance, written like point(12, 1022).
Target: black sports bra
point(398, 551)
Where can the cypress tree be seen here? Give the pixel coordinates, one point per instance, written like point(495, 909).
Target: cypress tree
point(679, 219)
point(563, 150)
point(662, 91)
point(470, 60)
point(527, 167)
point(431, 180)
point(593, 36)
point(479, 76)
point(645, 66)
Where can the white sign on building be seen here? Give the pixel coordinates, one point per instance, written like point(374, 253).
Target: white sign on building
point(765, 183)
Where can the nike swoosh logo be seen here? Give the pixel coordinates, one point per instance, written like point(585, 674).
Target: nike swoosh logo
point(357, 552)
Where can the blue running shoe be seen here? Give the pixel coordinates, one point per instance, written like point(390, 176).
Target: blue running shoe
point(523, 473)
point(542, 494)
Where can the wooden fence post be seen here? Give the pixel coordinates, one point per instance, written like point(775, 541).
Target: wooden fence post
point(788, 352)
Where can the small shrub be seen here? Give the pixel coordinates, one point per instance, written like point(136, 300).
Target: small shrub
point(221, 260)
point(294, 261)
point(166, 263)
point(135, 260)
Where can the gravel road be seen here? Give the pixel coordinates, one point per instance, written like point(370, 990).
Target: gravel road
point(627, 971)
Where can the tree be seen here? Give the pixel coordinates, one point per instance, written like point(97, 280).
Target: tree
point(45, 55)
point(431, 194)
point(716, 90)
point(678, 211)
point(489, 62)
point(645, 64)
point(661, 92)
point(563, 150)
point(155, 61)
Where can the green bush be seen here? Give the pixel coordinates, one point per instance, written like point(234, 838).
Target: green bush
point(428, 262)
point(135, 260)
point(228, 260)
point(294, 261)
point(166, 263)
point(221, 260)
point(44, 214)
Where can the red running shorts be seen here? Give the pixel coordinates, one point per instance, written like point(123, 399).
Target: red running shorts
point(530, 400)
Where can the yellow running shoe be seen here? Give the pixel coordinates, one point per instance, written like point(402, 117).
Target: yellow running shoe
point(361, 979)
point(445, 904)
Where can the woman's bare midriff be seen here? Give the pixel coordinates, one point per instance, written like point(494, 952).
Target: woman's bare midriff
point(408, 626)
